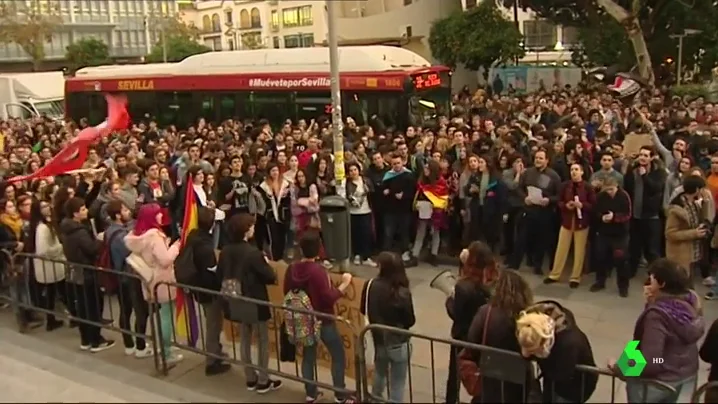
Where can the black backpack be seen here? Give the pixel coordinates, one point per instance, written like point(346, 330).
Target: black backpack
point(185, 269)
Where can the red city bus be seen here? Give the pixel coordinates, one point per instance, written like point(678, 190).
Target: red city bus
point(396, 85)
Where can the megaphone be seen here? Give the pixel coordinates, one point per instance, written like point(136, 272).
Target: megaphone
point(445, 282)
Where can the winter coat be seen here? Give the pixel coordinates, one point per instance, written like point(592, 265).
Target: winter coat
point(154, 248)
point(47, 245)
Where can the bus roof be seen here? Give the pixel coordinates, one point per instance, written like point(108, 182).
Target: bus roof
point(297, 60)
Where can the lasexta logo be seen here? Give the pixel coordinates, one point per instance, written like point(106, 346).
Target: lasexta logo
point(631, 363)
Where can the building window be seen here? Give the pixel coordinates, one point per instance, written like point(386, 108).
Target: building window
point(228, 17)
point(569, 36)
point(297, 17)
point(275, 20)
point(206, 24)
point(216, 23)
point(307, 40)
point(470, 4)
point(292, 41)
point(256, 19)
point(407, 2)
point(244, 21)
point(230, 42)
point(539, 34)
point(275, 42)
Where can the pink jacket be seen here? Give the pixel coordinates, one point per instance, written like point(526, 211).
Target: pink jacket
point(153, 246)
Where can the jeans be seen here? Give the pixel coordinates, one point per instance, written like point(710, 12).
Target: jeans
point(397, 225)
point(245, 339)
point(638, 392)
point(425, 226)
point(391, 362)
point(333, 342)
point(167, 328)
point(132, 301)
point(362, 235)
point(20, 293)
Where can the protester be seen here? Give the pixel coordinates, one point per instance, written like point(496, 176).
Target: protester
point(152, 257)
point(245, 272)
point(387, 300)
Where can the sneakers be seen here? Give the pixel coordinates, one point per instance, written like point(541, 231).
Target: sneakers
point(85, 347)
point(103, 345)
point(597, 286)
point(711, 296)
point(174, 359)
point(548, 281)
point(709, 281)
point(312, 400)
point(148, 352)
point(357, 260)
point(406, 256)
point(129, 351)
point(327, 264)
point(217, 368)
point(271, 385)
point(369, 262)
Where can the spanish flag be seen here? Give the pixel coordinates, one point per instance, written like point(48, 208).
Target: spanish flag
point(437, 193)
point(186, 313)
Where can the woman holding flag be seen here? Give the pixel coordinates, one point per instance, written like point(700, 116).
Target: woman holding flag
point(431, 202)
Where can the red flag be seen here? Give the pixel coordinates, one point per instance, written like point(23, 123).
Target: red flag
point(74, 155)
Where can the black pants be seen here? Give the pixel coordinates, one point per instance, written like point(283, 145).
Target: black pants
point(88, 297)
point(277, 238)
point(49, 294)
point(397, 226)
point(452, 383)
point(535, 237)
point(362, 235)
point(510, 231)
point(611, 252)
point(645, 240)
point(132, 301)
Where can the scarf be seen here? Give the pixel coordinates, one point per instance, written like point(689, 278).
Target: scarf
point(391, 174)
point(14, 222)
point(694, 220)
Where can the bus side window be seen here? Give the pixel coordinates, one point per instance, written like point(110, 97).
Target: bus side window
point(30, 107)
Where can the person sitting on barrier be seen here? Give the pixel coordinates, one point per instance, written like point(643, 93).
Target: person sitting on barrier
point(130, 289)
point(387, 300)
point(669, 328)
point(512, 294)
point(548, 333)
point(81, 247)
point(152, 257)
point(245, 273)
point(196, 265)
point(309, 277)
point(470, 293)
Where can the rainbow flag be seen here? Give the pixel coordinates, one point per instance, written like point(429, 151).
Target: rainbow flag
point(185, 311)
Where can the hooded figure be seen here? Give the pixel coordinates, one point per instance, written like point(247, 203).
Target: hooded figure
point(548, 333)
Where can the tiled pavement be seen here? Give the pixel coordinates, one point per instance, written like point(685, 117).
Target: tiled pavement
point(44, 366)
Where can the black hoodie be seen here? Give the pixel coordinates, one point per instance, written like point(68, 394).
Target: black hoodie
point(205, 261)
point(78, 243)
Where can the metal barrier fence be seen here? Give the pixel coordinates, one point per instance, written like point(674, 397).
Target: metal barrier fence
point(505, 375)
point(33, 284)
point(706, 393)
point(84, 289)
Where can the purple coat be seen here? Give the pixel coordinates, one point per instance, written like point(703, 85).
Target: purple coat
point(670, 328)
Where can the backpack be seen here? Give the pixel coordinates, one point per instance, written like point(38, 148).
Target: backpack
point(185, 268)
point(107, 280)
point(302, 329)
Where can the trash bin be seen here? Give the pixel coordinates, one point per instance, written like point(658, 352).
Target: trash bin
point(336, 235)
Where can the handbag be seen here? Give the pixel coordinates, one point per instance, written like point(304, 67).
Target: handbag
point(425, 209)
point(140, 266)
point(368, 342)
point(469, 371)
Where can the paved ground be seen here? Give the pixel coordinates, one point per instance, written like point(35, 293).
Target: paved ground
point(53, 361)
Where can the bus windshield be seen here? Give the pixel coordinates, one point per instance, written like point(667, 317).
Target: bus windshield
point(426, 106)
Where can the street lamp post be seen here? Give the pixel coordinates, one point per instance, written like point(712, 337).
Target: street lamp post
point(679, 68)
point(337, 126)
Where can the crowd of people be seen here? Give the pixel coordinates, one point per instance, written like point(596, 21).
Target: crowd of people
point(526, 177)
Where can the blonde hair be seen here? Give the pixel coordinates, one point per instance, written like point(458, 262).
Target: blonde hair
point(535, 331)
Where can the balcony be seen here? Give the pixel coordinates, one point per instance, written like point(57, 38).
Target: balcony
point(250, 27)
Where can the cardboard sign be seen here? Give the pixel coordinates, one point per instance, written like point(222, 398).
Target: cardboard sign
point(347, 307)
point(633, 142)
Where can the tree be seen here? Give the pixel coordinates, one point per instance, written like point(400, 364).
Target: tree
point(478, 38)
point(646, 26)
point(29, 26)
point(180, 41)
point(87, 52)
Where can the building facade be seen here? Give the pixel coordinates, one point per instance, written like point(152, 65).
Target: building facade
point(546, 43)
point(125, 25)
